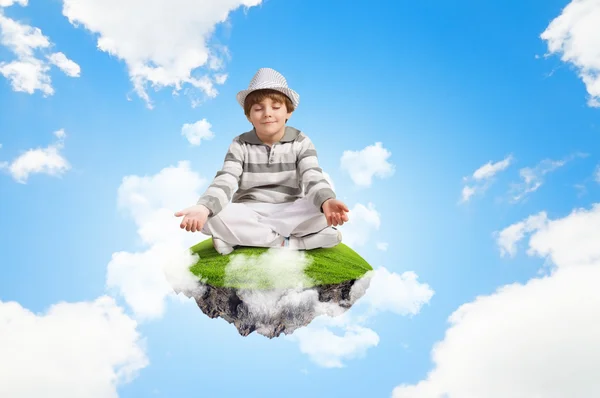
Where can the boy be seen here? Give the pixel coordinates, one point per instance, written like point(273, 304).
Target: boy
point(279, 196)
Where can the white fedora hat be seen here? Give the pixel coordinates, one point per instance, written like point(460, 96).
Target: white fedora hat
point(267, 78)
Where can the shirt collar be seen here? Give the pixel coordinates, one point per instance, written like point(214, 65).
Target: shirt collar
point(251, 137)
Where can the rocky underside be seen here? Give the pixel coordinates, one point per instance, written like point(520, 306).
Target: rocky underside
point(272, 312)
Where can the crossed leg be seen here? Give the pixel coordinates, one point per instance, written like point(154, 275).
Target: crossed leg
point(239, 225)
point(268, 225)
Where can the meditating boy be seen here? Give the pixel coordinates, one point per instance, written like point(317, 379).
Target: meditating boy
point(271, 175)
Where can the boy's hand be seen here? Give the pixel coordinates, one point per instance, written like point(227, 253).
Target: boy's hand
point(194, 217)
point(335, 212)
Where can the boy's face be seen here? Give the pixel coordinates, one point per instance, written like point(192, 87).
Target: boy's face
point(268, 118)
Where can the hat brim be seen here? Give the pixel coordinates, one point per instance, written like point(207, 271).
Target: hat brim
point(292, 95)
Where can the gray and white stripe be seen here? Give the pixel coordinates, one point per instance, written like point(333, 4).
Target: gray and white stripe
point(254, 172)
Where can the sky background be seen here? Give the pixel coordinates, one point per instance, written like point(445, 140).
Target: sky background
point(464, 138)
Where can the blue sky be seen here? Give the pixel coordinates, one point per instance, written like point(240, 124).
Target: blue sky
point(476, 124)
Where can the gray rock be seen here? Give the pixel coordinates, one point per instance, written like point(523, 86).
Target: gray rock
point(272, 312)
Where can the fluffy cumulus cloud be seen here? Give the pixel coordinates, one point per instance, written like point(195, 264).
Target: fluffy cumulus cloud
point(163, 43)
point(196, 132)
point(401, 294)
point(330, 345)
point(362, 220)
point(483, 177)
point(575, 36)
point(85, 349)
point(47, 160)
point(533, 177)
point(538, 339)
point(29, 71)
point(367, 163)
point(335, 337)
point(145, 279)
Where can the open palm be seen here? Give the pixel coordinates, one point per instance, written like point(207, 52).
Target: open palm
point(335, 212)
point(194, 217)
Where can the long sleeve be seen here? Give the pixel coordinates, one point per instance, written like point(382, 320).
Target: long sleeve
point(226, 182)
point(312, 180)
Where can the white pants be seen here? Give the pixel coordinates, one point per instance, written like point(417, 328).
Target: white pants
point(265, 224)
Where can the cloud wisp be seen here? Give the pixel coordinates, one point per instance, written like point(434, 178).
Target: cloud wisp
point(533, 177)
point(483, 178)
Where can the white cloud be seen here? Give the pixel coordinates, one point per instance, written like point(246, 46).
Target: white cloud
point(490, 169)
point(221, 78)
point(21, 39)
point(65, 64)
point(146, 278)
point(570, 241)
point(509, 236)
point(361, 221)
point(197, 132)
point(401, 294)
point(483, 177)
point(533, 178)
point(467, 193)
point(60, 134)
point(575, 35)
point(276, 266)
point(597, 174)
point(40, 160)
point(73, 350)
point(8, 3)
point(538, 339)
point(335, 336)
point(329, 350)
point(383, 246)
point(367, 163)
point(29, 72)
point(162, 43)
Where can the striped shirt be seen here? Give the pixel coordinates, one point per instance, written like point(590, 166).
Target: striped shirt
point(254, 172)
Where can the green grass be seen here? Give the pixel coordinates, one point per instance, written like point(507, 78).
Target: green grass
point(326, 266)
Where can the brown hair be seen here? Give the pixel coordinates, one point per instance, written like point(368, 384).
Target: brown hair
point(255, 97)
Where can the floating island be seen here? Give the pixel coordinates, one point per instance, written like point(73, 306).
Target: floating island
point(274, 291)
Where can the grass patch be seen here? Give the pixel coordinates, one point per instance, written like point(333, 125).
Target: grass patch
point(326, 266)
